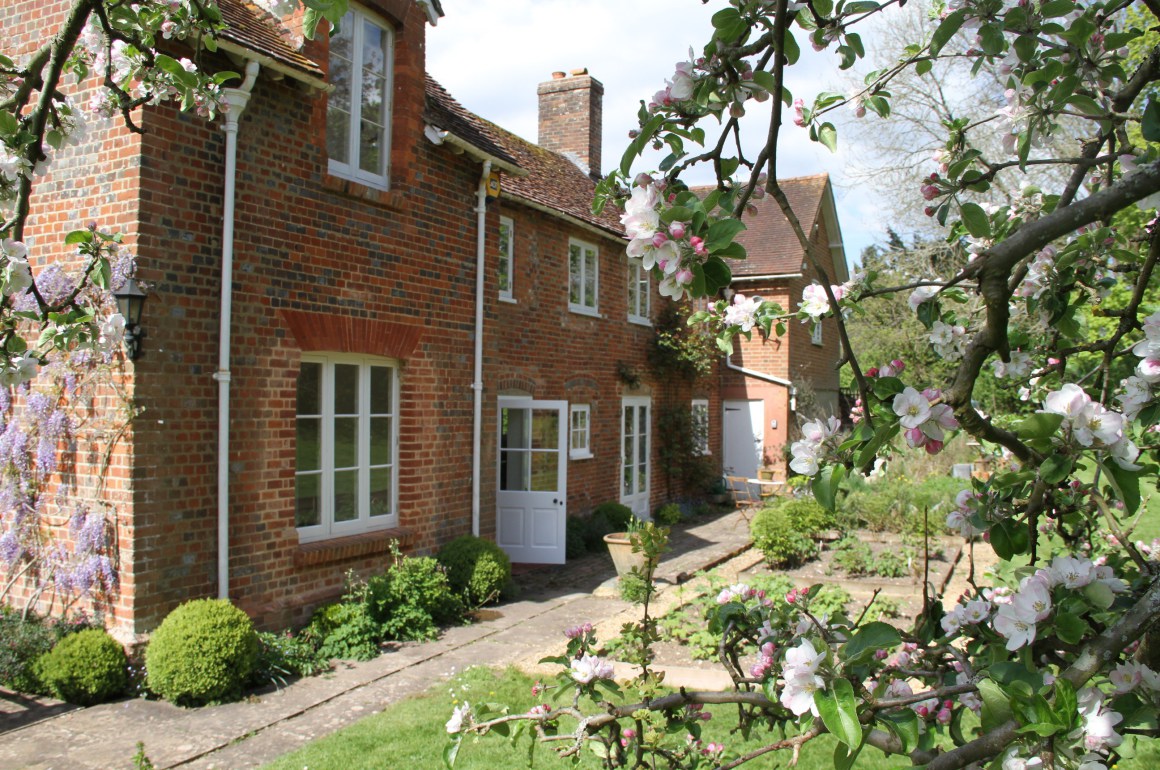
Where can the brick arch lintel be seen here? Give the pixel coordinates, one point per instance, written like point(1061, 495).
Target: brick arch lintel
point(343, 334)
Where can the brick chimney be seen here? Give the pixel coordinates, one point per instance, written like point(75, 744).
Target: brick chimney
point(571, 117)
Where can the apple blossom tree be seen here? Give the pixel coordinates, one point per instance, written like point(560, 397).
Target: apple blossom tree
point(1056, 658)
point(1054, 662)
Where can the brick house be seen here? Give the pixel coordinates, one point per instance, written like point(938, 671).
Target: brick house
point(767, 384)
point(372, 315)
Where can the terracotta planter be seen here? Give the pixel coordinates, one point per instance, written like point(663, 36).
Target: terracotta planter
point(623, 557)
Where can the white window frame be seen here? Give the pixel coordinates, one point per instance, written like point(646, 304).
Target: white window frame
point(639, 294)
point(588, 252)
point(701, 405)
point(354, 21)
point(816, 333)
point(327, 527)
point(583, 432)
point(507, 255)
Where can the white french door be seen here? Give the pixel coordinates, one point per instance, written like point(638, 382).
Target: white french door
point(635, 471)
point(531, 496)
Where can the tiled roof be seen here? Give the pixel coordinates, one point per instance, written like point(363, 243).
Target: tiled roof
point(552, 180)
point(446, 113)
point(253, 28)
point(770, 241)
point(555, 181)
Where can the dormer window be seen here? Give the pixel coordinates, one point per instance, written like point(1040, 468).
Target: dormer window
point(358, 111)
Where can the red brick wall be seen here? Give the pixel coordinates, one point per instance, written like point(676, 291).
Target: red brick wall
point(323, 263)
point(792, 356)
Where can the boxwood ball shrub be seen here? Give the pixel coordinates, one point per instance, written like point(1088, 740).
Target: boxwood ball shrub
point(611, 517)
point(776, 535)
point(807, 515)
point(203, 652)
point(477, 569)
point(85, 668)
point(668, 514)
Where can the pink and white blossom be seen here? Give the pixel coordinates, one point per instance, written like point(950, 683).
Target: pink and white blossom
point(588, 668)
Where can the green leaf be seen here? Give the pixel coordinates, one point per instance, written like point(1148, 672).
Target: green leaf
point(975, 220)
point(1008, 538)
point(1099, 594)
point(904, 725)
point(839, 712)
point(882, 436)
point(1057, 8)
point(922, 66)
point(1042, 729)
point(8, 123)
point(450, 752)
point(636, 147)
point(1126, 485)
point(825, 485)
point(765, 80)
point(996, 705)
point(1055, 468)
point(1065, 703)
point(717, 275)
point(791, 50)
point(1039, 425)
point(871, 637)
point(828, 135)
point(946, 30)
point(722, 232)
point(843, 759)
point(78, 236)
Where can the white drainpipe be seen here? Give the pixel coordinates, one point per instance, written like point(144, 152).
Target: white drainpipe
point(768, 378)
point(477, 384)
point(235, 100)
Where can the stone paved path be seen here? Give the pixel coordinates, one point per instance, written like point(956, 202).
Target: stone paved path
point(251, 733)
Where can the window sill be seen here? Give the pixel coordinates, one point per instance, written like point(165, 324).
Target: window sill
point(509, 300)
point(585, 456)
point(639, 321)
point(389, 199)
point(586, 311)
point(350, 546)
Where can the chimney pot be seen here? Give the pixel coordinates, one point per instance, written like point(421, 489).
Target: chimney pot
point(571, 117)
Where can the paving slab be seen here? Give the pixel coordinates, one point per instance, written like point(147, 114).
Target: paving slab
point(267, 725)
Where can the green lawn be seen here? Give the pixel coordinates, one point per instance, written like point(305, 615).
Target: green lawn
point(411, 735)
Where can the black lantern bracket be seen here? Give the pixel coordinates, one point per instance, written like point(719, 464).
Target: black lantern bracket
point(130, 302)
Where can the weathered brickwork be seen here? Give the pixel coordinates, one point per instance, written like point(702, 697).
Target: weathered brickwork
point(322, 264)
point(793, 357)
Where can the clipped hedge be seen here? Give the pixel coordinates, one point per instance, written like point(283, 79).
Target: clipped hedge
point(85, 668)
point(203, 652)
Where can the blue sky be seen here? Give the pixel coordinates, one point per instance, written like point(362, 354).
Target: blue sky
point(491, 54)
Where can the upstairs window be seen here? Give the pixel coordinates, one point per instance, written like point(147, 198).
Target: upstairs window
point(347, 447)
point(358, 110)
point(639, 309)
point(583, 271)
point(507, 235)
point(816, 333)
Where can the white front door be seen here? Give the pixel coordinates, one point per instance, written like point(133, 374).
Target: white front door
point(531, 497)
point(634, 455)
point(744, 437)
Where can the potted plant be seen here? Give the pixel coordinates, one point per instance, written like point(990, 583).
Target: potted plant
point(639, 547)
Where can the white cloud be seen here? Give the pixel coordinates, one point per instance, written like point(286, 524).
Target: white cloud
point(491, 54)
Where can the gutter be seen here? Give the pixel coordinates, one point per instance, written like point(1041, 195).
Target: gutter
point(750, 278)
point(236, 100)
point(569, 218)
point(477, 384)
point(439, 136)
point(767, 377)
point(273, 65)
